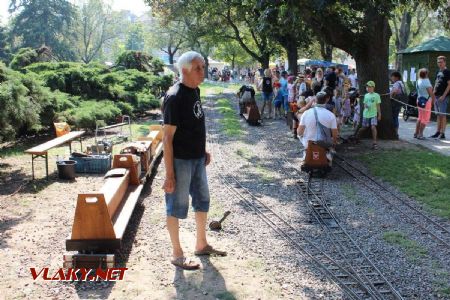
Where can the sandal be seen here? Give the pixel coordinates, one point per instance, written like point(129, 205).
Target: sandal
point(209, 250)
point(374, 146)
point(185, 263)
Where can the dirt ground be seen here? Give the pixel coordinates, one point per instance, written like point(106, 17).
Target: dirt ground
point(36, 218)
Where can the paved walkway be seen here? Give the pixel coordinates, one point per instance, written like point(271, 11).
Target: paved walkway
point(406, 132)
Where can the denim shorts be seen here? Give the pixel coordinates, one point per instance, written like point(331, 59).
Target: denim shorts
point(367, 122)
point(190, 179)
point(441, 106)
point(267, 96)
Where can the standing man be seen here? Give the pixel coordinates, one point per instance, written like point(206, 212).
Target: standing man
point(185, 158)
point(441, 91)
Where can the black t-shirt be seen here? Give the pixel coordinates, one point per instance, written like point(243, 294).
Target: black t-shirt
point(442, 77)
point(267, 85)
point(183, 108)
point(317, 85)
point(331, 78)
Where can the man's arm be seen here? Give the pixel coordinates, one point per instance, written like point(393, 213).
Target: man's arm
point(378, 112)
point(334, 134)
point(169, 183)
point(447, 91)
point(301, 130)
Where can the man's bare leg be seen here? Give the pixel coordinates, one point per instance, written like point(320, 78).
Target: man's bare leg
point(174, 230)
point(200, 221)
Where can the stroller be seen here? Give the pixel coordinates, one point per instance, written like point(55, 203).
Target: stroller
point(411, 110)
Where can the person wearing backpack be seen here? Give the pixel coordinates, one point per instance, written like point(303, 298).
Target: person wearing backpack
point(425, 101)
point(398, 93)
point(319, 125)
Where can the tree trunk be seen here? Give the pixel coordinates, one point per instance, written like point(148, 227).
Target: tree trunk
point(233, 59)
point(171, 55)
point(372, 64)
point(264, 60)
point(403, 35)
point(292, 55)
point(326, 50)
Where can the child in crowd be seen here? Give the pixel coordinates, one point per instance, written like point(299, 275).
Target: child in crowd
point(291, 89)
point(278, 100)
point(346, 108)
point(356, 114)
point(337, 99)
point(301, 103)
point(372, 111)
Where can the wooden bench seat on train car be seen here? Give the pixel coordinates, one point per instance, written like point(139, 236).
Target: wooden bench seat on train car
point(155, 136)
point(102, 217)
point(316, 159)
point(252, 114)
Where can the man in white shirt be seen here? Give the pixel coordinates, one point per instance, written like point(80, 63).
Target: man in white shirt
point(307, 131)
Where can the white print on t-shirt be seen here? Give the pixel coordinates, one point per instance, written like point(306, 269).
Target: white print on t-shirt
point(198, 111)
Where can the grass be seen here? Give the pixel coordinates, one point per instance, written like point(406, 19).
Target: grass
point(422, 174)
point(442, 284)
point(229, 121)
point(265, 174)
point(208, 88)
point(244, 153)
point(412, 248)
point(350, 193)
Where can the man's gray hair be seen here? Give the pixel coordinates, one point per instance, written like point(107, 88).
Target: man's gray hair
point(185, 61)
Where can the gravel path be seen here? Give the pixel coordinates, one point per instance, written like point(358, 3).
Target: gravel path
point(35, 221)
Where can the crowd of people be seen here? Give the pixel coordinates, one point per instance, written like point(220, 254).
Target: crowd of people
point(288, 96)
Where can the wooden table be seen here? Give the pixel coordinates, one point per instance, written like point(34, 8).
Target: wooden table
point(42, 149)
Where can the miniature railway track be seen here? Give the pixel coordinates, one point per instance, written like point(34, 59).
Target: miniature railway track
point(351, 255)
point(425, 224)
point(340, 271)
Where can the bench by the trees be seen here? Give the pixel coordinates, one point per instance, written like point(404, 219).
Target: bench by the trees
point(42, 149)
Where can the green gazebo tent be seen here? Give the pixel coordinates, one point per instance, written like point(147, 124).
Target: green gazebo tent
point(424, 56)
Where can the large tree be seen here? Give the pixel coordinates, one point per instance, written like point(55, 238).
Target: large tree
point(169, 36)
point(44, 23)
point(135, 38)
point(403, 20)
point(237, 20)
point(232, 53)
point(283, 24)
point(361, 28)
point(97, 25)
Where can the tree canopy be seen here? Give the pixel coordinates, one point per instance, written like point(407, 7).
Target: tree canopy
point(44, 23)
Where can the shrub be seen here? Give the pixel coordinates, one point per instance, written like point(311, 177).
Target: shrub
point(25, 104)
point(140, 61)
point(88, 112)
point(23, 58)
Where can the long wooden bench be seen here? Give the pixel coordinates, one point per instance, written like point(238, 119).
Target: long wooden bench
point(42, 149)
point(102, 217)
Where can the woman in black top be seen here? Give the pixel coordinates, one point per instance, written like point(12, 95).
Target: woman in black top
point(267, 91)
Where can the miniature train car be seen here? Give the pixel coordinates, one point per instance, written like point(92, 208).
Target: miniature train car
point(101, 217)
point(247, 105)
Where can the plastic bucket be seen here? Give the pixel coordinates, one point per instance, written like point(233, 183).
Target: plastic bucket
point(66, 169)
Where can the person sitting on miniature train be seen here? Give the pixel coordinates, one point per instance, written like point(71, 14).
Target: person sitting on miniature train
point(319, 118)
point(186, 158)
point(246, 95)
